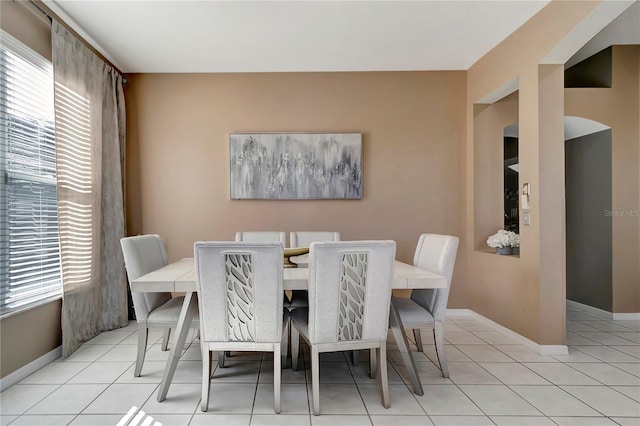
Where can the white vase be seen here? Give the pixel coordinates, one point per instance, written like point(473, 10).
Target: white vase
point(503, 250)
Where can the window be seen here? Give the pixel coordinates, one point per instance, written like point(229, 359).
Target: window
point(29, 243)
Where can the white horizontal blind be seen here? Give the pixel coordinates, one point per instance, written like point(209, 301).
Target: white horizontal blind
point(29, 243)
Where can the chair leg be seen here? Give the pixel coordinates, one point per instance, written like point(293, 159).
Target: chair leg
point(277, 371)
point(295, 347)
point(438, 336)
point(384, 379)
point(142, 347)
point(206, 377)
point(284, 344)
point(354, 357)
point(418, 338)
point(221, 355)
point(315, 379)
point(373, 363)
point(165, 339)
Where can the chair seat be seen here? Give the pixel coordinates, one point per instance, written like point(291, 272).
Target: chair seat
point(169, 312)
point(412, 315)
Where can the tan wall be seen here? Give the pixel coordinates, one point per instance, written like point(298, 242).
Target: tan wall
point(28, 335)
point(618, 107)
point(412, 125)
point(511, 290)
point(29, 26)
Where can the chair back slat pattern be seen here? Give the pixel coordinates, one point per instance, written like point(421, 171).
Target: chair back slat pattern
point(240, 291)
point(349, 290)
point(352, 295)
point(240, 297)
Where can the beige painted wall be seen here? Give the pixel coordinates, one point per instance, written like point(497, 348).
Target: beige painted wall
point(524, 294)
point(27, 25)
point(412, 125)
point(28, 335)
point(618, 107)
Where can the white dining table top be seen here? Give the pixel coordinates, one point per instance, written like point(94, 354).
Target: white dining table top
point(180, 276)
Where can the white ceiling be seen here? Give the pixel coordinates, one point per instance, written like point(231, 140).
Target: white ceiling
point(625, 29)
point(268, 36)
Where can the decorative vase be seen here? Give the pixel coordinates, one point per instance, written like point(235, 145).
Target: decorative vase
point(515, 251)
point(503, 250)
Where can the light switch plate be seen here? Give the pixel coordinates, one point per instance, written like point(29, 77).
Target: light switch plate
point(526, 218)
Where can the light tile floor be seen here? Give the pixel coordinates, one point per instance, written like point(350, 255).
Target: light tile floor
point(494, 381)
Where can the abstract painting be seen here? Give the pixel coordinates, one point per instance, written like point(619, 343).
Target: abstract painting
point(291, 166)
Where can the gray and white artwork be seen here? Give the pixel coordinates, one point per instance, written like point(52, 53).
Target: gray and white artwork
point(287, 166)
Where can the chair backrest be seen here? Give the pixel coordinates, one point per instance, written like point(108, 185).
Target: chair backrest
point(350, 290)
point(239, 291)
point(304, 239)
point(435, 253)
point(144, 254)
point(263, 237)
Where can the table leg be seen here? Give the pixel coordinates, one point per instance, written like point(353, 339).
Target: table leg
point(403, 346)
point(187, 312)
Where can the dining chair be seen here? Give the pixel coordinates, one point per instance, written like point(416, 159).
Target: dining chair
point(262, 237)
point(144, 254)
point(239, 287)
point(271, 236)
point(349, 299)
point(305, 238)
point(426, 308)
point(300, 298)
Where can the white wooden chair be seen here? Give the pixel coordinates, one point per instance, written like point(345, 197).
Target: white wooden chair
point(262, 237)
point(240, 303)
point(349, 299)
point(427, 307)
point(144, 254)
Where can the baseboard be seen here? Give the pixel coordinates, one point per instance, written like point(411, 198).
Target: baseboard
point(459, 312)
point(541, 349)
point(601, 313)
point(26, 370)
point(626, 316)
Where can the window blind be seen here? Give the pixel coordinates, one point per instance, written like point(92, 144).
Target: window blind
point(29, 242)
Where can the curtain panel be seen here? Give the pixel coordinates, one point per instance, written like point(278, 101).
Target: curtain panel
point(90, 146)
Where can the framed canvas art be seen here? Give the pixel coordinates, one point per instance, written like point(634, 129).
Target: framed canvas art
point(295, 166)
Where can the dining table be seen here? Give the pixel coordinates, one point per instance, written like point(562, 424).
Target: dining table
point(179, 276)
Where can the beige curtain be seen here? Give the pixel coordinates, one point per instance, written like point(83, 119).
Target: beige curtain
point(90, 135)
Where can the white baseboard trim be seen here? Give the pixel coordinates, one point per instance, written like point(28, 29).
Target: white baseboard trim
point(626, 316)
point(601, 313)
point(26, 370)
point(541, 349)
point(604, 314)
point(459, 313)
